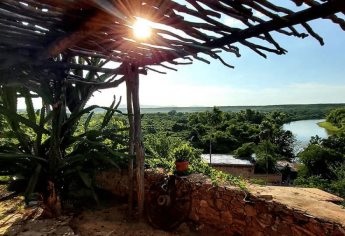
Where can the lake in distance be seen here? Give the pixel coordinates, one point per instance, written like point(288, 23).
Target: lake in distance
point(303, 130)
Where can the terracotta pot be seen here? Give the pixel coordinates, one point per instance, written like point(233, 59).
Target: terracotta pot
point(181, 166)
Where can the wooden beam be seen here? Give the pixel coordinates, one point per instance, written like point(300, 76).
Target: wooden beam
point(321, 11)
point(64, 65)
point(89, 27)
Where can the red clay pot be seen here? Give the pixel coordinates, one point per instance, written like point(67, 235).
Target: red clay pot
point(181, 166)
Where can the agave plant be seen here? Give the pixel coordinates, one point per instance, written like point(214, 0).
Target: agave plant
point(44, 146)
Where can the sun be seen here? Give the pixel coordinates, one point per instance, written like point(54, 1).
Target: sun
point(142, 29)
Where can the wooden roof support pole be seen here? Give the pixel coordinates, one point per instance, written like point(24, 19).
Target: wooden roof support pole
point(132, 79)
point(130, 148)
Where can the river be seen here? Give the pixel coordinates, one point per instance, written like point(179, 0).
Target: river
point(303, 130)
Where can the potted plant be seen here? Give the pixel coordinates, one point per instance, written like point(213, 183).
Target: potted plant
point(181, 165)
point(183, 155)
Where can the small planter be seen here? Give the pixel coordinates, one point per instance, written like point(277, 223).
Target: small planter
point(181, 166)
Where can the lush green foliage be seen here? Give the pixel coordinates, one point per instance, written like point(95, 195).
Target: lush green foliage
point(337, 118)
point(55, 143)
point(266, 157)
point(318, 160)
point(164, 150)
point(324, 160)
point(246, 151)
point(242, 133)
point(89, 145)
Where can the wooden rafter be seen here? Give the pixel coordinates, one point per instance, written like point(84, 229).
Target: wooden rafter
point(45, 28)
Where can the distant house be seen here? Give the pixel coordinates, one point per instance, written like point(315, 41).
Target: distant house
point(230, 164)
point(288, 171)
point(238, 167)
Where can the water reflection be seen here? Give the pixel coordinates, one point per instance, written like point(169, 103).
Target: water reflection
point(303, 130)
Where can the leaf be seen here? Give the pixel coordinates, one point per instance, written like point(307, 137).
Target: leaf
point(29, 105)
point(73, 159)
point(107, 160)
point(16, 157)
point(108, 149)
point(108, 114)
point(87, 180)
point(73, 119)
point(21, 119)
point(49, 116)
point(87, 121)
point(85, 177)
point(32, 182)
point(39, 134)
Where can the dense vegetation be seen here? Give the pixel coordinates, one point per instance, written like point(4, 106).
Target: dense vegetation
point(242, 133)
point(323, 161)
point(90, 143)
point(337, 118)
point(246, 132)
point(335, 121)
point(52, 149)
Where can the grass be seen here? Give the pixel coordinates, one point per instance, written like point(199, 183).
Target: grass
point(4, 179)
point(329, 127)
point(257, 181)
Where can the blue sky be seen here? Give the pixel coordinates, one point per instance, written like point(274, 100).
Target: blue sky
point(308, 73)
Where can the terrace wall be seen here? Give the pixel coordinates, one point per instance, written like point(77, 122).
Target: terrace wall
point(223, 210)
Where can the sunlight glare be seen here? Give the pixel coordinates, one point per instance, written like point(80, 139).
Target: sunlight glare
point(142, 29)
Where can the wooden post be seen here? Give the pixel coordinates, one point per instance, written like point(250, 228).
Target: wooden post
point(132, 79)
point(131, 148)
point(139, 149)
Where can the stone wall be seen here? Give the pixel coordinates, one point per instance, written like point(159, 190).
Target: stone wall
point(226, 210)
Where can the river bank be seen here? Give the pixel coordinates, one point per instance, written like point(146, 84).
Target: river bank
point(331, 129)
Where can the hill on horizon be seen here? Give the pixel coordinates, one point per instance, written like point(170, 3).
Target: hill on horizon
point(289, 108)
point(264, 108)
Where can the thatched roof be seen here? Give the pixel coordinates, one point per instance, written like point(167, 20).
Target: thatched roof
point(34, 32)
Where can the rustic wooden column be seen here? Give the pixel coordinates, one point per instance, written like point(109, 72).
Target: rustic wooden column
point(130, 148)
point(132, 81)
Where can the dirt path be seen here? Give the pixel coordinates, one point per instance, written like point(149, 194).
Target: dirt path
point(16, 220)
point(112, 221)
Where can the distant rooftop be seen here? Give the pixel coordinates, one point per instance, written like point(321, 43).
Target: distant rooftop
point(282, 164)
point(224, 159)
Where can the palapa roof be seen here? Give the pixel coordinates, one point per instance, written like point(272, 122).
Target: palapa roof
point(48, 34)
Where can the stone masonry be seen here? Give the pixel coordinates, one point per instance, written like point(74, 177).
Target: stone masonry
point(228, 210)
